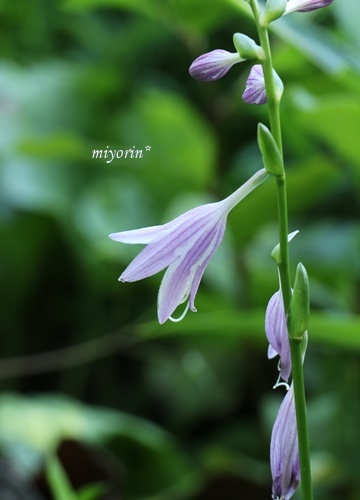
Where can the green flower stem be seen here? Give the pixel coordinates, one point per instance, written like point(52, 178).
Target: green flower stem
point(284, 265)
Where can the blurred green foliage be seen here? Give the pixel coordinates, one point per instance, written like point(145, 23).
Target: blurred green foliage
point(182, 411)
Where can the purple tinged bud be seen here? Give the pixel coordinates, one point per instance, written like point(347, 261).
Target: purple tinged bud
point(255, 91)
point(306, 5)
point(184, 246)
point(213, 65)
point(277, 334)
point(284, 450)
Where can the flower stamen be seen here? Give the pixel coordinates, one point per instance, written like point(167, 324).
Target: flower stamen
point(177, 320)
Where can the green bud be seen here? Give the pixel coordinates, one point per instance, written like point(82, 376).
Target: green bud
point(270, 153)
point(299, 312)
point(275, 254)
point(273, 10)
point(247, 48)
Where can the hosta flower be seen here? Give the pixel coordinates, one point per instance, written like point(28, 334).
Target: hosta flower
point(255, 92)
point(284, 450)
point(213, 65)
point(184, 246)
point(277, 334)
point(306, 5)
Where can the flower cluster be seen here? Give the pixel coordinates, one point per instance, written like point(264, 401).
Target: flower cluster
point(215, 64)
point(185, 245)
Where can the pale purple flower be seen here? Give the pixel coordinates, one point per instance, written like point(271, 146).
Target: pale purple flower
point(255, 91)
point(185, 246)
point(213, 65)
point(284, 450)
point(306, 5)
point(277, 334)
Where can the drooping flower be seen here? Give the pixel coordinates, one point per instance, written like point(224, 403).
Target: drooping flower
point(306, 5)
point(277, 334)
point(255, 91)
point(185, 246)
point(213, 65)
point(284, 450)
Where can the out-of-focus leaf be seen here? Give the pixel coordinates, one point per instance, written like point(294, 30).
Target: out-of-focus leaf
point(91, 492)
point(183, 148)
point(314, 42)
point(62, 146)
point(315, 176)
point(348, 19)
point(34, 185)
point(139, 6)
point(197, 15)
point(25, 437)
point(58, 481)
point(338, 330)
point(321, 118)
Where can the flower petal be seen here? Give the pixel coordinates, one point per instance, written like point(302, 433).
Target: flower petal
point(173, 241)
point(205, 260)
point(141, 236)
point(178, 281)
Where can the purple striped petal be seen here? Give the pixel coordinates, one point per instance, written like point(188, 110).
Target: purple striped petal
point(277, 334)
point(306, 5)
point(284, 450)
point(255, 92)
point(179, 278)
point(213, 65)
point(176, 237)
point(141, 236)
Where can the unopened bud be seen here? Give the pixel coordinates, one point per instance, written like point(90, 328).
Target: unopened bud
point(299, 312)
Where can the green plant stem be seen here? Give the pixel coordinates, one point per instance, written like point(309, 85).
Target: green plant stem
point(284, 265)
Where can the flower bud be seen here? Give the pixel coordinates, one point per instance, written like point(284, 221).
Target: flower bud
point(306, 5)
point(272, 160)
point(255, 91)
point(277, 334)
point(299, 312)
point(275, 254)
point(247, 48)
point(213, 65)
point(284, 450)
point(273, 10)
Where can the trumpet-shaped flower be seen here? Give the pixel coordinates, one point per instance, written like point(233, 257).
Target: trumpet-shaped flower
point(277, 334)
point(306, 5)
point(184, 246)
point(284, 450)
point(255, 91)
point(213, 65)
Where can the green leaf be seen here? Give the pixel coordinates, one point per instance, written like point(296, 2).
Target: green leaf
point(58, 480)
point(337, 330)
point(91, 491)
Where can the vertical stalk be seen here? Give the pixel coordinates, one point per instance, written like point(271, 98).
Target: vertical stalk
point(284, 265)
